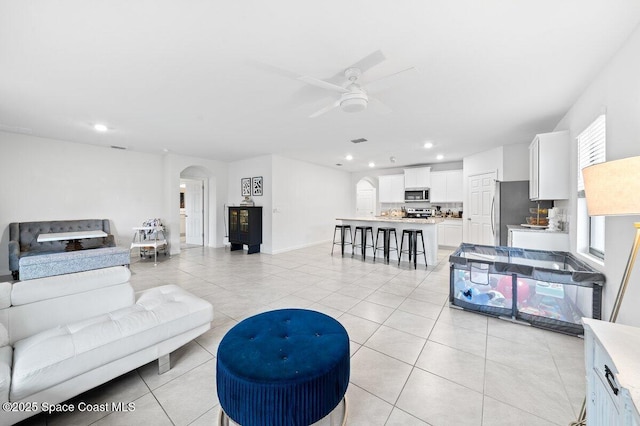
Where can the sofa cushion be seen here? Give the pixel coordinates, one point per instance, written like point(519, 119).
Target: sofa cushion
point(55, 355)
point(31, 291)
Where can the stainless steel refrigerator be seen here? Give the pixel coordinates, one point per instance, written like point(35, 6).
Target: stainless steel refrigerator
point(511, 206)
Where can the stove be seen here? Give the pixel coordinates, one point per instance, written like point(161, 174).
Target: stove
point(419, 212)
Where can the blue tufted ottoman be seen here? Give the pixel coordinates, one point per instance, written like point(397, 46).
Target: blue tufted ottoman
point(283, 367)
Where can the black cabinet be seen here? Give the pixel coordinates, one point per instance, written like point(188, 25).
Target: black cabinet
point(245, 227)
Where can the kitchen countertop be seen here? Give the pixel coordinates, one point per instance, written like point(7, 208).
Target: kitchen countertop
point(526, 229)
point(425, 221)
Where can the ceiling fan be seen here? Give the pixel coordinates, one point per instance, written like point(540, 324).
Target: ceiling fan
point(355, 95)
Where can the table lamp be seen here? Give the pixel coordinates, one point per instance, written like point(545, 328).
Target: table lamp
point(613, 189)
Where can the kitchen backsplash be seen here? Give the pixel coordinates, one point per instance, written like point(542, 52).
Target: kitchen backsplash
point(453, 208)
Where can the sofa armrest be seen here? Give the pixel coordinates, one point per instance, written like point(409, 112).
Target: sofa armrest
point(14, 255)
point(6, 356)
point(109, 241)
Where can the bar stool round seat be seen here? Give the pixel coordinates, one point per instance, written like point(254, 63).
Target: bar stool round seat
point(412, 251)
point(386, 242)
point(282, 367)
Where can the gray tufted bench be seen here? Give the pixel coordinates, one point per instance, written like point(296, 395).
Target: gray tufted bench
point(48, 264)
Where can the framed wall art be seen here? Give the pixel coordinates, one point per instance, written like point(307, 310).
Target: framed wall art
point(256, 185)
point(245, 183)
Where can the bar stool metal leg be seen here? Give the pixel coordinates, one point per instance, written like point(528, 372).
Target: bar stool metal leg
point(388, 244)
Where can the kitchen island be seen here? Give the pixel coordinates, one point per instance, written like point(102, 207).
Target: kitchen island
point(428, 226)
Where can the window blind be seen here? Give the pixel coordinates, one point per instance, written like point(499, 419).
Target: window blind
point(591, 148)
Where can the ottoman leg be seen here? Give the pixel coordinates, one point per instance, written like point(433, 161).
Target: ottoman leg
point(335, 422)
point(223, 419)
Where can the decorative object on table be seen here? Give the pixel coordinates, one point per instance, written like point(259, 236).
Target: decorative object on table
point(247, 201)
point(612, 188)
point(245, 183)
point(256, 186)
point(554, 215)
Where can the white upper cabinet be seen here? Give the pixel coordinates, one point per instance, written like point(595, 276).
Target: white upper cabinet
point(446, 187)
point(391, 188)
point(417, 178)
point(549, 176)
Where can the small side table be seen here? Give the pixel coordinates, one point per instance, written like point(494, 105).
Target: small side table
point(147, 238)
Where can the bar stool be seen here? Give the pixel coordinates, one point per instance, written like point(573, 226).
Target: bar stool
point(412, 235)
point(386, 242)
point(363, 240)
point(343, 231)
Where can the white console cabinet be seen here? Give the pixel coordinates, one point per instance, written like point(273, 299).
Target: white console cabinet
point(613, 373)
point(549, 175)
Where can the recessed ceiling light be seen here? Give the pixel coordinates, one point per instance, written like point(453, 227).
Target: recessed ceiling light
point(439, 157)
point(100, 127)
point(349, 157)
point(428, 145)
point(372, 164)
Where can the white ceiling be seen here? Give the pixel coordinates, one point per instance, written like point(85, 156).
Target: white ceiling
point(217, 79)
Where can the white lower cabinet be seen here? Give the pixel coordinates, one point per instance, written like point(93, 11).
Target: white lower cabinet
point(538, 240)
point(450, 233)
point(612, 367)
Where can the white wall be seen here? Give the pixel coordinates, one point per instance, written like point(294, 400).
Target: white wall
point(615, 90)
point(515, 162)
point(306, 201)
point(253, 167)
point(47, 179)
point(300, 202)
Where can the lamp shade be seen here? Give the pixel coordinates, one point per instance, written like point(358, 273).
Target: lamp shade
point(613, 187)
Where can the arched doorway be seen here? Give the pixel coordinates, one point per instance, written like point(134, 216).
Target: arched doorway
point(366, 198)
point(194, 184)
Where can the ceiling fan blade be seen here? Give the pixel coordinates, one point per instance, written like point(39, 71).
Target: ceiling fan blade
point(321, 83)
point(325, 109)
point(378, 106)
point(384, 82)
point(369, 61)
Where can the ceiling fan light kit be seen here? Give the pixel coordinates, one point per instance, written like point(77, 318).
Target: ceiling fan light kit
point(354, 96)
point(354, 101)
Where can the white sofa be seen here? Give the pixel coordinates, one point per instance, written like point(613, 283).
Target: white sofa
point(63, 335)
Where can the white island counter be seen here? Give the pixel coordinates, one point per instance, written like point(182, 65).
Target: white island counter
point(428, 226)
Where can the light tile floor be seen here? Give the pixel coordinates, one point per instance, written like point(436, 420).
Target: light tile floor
point(415, 361)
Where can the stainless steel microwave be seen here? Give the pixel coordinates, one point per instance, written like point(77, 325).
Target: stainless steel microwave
point(416, 196)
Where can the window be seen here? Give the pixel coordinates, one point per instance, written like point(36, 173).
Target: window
point(591, 150)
